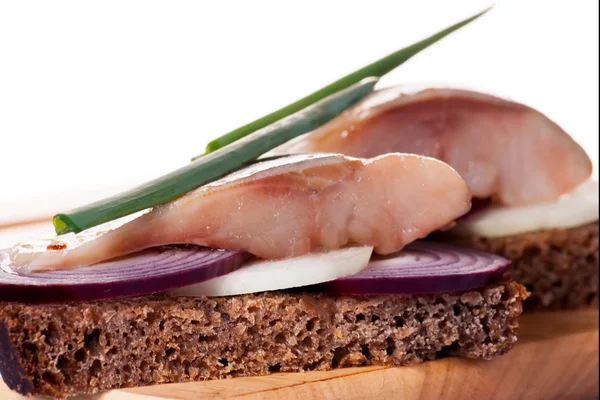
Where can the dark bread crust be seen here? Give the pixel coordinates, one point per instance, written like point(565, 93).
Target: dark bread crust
point(559, 267)
point(67, 349)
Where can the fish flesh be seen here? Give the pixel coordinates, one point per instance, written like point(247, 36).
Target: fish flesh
point(505, 151)
point(288, 207)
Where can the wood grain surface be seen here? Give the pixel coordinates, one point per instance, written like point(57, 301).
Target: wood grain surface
point(556, 357)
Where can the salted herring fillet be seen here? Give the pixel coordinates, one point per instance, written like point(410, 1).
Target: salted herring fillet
point(289, 207)
point(504, 150)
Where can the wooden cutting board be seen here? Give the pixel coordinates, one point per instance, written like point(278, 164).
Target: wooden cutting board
point(556, 357)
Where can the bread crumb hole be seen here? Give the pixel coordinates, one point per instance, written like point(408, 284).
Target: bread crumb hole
point(360, 317)
point(275, 368)
point(456, 310)
point(391, 346)
point(63, 363)
point(90, 341)
point(80, 355)
point(365, 351)
point(169, 351)
point(30, 347)
point(223, 362)
point(51, 334)
point(202, 338)
point(95, 368)
point(486, 327)
point(51, 378)
point(338, 356)
point(151, 317)
point(281, 338)
point(399, 322)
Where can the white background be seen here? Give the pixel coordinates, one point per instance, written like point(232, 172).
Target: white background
point(98, 96)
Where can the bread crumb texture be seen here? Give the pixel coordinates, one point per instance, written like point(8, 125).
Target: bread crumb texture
point(559, 267)
point(66, 349)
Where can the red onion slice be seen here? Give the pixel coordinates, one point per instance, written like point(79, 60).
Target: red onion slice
point(422, 267)
point(151, 271)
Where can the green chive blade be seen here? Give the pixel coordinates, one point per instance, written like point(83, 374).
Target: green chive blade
point(62, 225)
point(378, 69)
point(213, 166)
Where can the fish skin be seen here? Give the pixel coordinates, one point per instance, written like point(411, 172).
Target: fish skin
point(292, 206)
point(504, 150)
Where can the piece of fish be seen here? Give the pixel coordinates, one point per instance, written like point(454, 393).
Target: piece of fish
point(504, 150)
point(288, 207)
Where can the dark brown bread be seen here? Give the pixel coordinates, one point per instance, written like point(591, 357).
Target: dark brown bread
point(61, 350)
point(559, 267)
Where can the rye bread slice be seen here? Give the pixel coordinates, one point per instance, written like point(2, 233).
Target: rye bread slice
point(66, 349)
point(559, 267)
